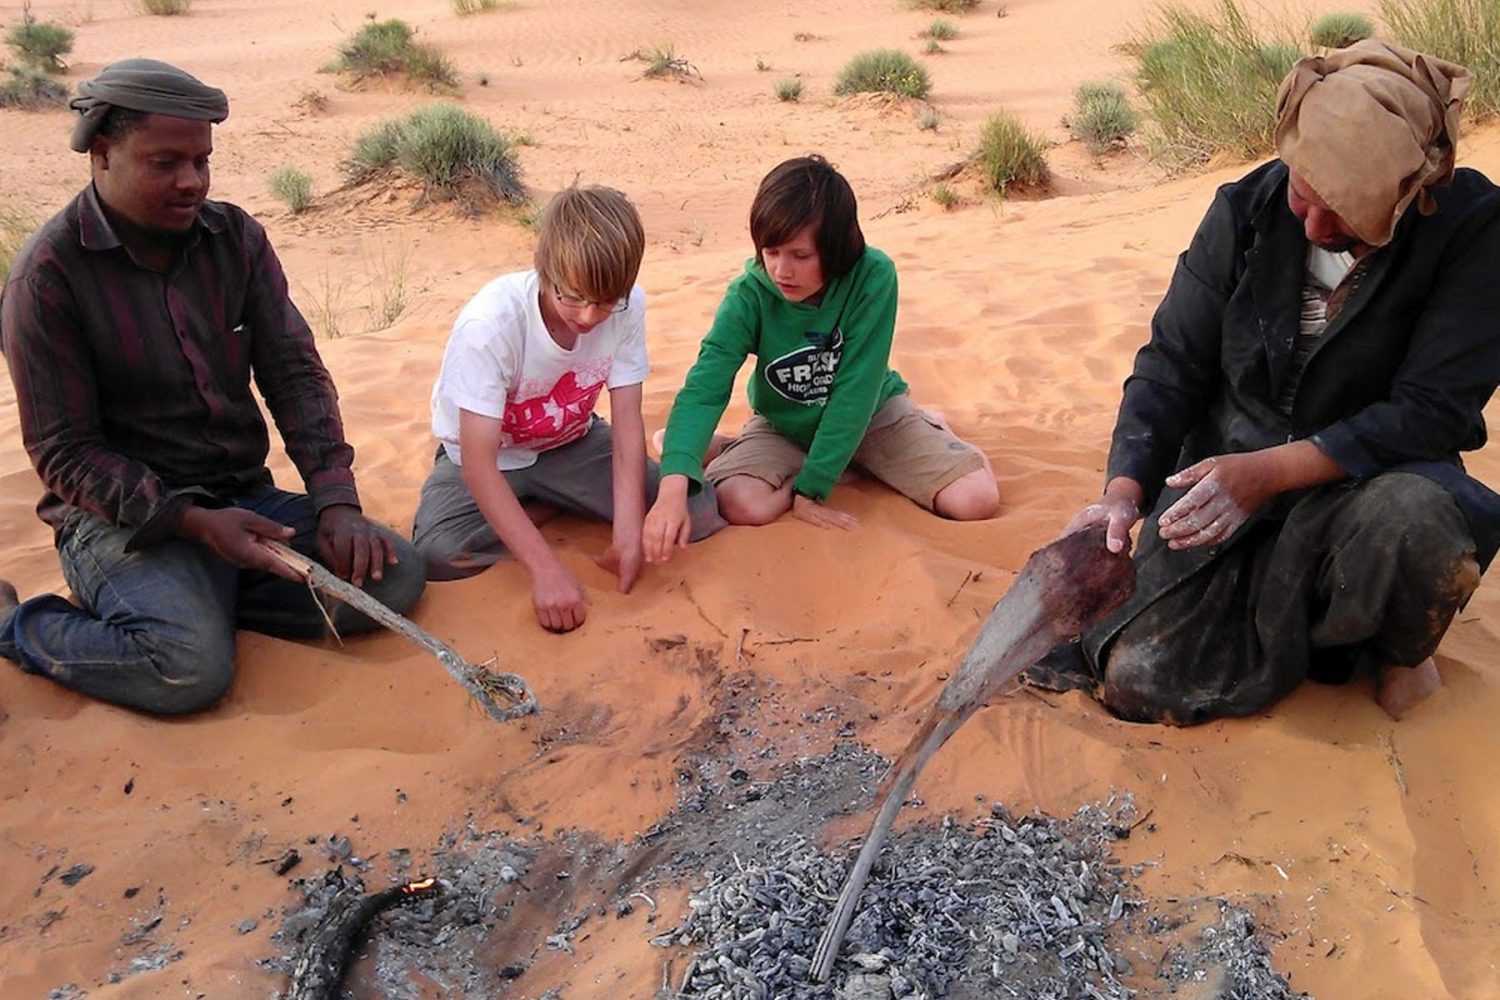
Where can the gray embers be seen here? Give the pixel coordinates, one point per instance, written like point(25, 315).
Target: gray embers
point(1000, 908)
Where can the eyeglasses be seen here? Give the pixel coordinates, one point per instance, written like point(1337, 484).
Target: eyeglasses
point(578, 301)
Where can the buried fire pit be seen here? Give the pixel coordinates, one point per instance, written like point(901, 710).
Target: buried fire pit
point(1004, 906)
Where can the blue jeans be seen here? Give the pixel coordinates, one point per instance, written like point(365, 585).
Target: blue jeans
point(155, 630)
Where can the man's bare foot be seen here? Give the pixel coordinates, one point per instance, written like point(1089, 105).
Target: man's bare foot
point(716, 444)
point(8, 596)
point(1400, 689)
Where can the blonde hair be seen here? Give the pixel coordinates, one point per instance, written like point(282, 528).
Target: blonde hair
point(590, 240)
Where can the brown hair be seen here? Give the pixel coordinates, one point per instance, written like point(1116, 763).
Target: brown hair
point(590, 240)
point(809, 191)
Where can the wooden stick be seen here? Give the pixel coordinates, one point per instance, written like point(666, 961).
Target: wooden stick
point(1061, 590)
point(488, 686)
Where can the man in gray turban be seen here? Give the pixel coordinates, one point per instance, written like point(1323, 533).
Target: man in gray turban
point(133, 323)
point(1295, 423)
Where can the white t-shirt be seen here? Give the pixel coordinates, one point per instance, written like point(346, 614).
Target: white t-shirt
point(501, 362)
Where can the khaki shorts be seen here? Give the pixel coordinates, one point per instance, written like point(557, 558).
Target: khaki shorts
point(903, 448)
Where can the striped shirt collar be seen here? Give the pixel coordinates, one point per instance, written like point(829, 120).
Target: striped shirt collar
point(96, 233)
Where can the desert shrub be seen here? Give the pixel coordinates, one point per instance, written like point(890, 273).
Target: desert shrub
point(293, 187)
point(455, 154)
point(15, 226)
point(164, 8)
point(945, 196)
point(789, 89)
point(1463, 31)
point(389, 48)
point(1102, 116)
point(1010, 156)
point(946, 6)
point(1209, 83)
point(942, 31)
point(463, 8)
point(664, 62)
point(31, 89)
point(889, 70)
point(39, 44)
point(929, 120)
point(932, 47)
point(1337, 30)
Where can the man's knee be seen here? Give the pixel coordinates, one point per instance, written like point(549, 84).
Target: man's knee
point(187, 675)
point(402, 582)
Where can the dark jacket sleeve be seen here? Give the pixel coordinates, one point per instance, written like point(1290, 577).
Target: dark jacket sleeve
point(1435, 406)
point(297, 388)
point(1177, 372)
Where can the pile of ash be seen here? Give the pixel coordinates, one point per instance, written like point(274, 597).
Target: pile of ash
point(1005, 906)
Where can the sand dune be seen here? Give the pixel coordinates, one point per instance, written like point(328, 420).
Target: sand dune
point(1370, 849)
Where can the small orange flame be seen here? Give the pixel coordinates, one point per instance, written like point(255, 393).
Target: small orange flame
point(422, 886)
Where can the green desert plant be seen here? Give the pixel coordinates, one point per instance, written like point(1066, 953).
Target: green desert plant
point(888, 70)
point(946, 6)
point(293, 187)
point(463, 8)
point(942, 31)
point(929, 120)
point(39, 44)
point(388, 285)
point(932, 47)
point(1209, 82)
point(1102, 116)
point(789, 89)
point(945, 196)
point(28, 89)
point(389, 48)
point(455, 154)
point(164, 8)
point(663, 62)
point(1463, 31)
point(761, 66)
point(1010, 156)
point(1337, 30)
point(15, 226)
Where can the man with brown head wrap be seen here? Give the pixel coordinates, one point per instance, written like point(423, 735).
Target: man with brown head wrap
point(133, 323)
point(1294, 426)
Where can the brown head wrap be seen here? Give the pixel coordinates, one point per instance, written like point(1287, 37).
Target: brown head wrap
point(1371, 128)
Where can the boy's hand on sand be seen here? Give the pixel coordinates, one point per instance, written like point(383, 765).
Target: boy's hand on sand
point(558, 597)
point(809, 510)
point(668, 524)
point(623, 558)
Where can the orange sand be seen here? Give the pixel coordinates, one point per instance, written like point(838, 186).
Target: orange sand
point(1371, 848)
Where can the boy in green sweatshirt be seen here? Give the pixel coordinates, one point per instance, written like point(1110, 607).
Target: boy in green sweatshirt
point(817, 308)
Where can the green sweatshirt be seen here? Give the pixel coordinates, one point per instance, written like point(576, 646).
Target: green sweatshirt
point(821, 371)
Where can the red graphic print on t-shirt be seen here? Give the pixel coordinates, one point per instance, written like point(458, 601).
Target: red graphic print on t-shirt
point(560, 415)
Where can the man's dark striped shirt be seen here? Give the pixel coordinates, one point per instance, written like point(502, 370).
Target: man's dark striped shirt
point(134, 386)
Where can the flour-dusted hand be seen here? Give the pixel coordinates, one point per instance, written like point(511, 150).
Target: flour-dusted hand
point(1226, 491)
point(1119, 509)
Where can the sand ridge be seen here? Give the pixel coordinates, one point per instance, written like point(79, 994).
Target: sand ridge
point(1371, 848)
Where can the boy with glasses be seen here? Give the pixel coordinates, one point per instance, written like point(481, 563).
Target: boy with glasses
point(513, 409)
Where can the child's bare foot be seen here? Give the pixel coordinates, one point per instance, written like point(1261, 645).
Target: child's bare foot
point(1400, 689)
point(716, 444)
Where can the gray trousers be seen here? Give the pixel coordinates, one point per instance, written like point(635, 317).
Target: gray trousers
point(457, 541)
point(1362, 575)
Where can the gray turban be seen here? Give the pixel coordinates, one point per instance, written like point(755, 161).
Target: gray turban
point(145, 85)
